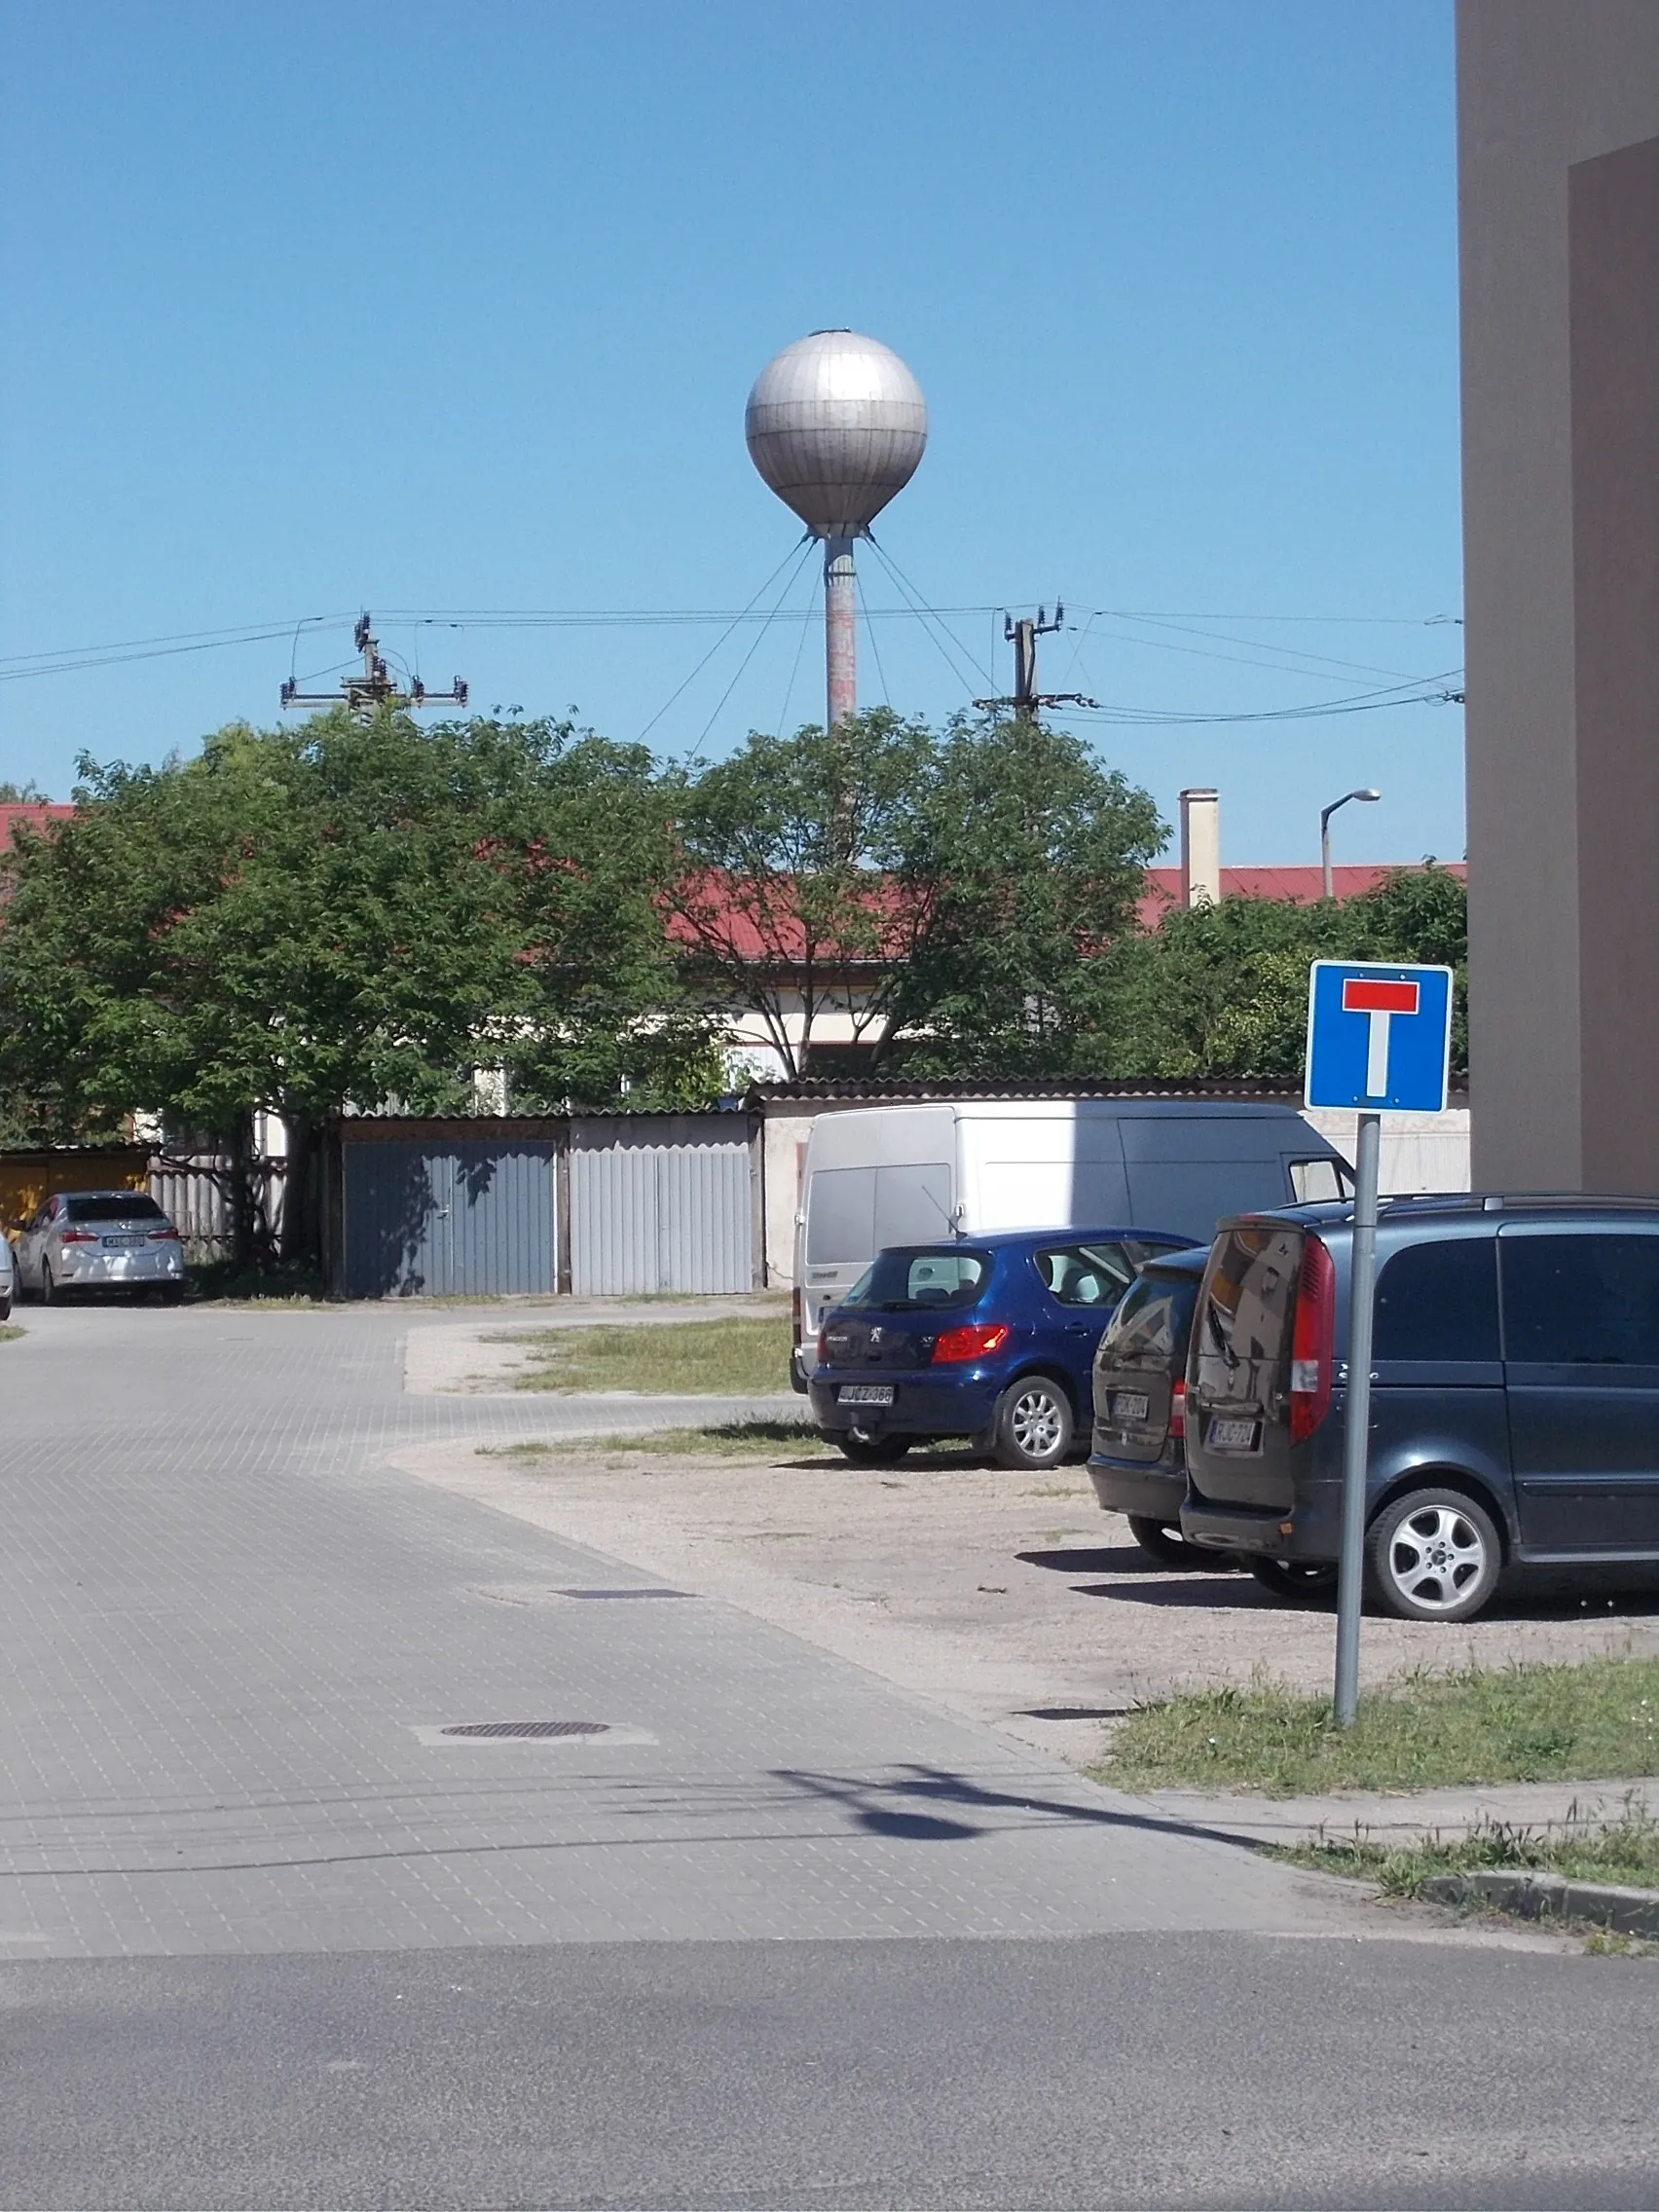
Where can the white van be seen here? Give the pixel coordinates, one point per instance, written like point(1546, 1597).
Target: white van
point(882, 1175)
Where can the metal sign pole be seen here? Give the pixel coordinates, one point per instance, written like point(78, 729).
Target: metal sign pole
point(1356, 1439)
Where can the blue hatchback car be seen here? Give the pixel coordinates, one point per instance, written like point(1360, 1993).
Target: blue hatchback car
point(991, 1337)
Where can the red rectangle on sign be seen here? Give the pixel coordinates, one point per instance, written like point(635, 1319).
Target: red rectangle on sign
point(1375, 994)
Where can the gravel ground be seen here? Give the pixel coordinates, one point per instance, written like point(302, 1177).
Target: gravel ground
point(1011, 1597)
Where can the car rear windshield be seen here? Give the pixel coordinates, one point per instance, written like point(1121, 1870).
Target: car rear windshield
point(112, 1205)
point(908, 1282)
point(1248, 1302)
point(1150, 1327)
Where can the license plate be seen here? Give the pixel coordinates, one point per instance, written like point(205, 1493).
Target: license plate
point(1232, 1435)
point(1129, 1405)
point(865, 1394)
point(120, 1244)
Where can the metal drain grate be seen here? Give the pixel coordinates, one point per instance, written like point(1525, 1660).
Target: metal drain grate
point(640, 1590)
point(531, 1728)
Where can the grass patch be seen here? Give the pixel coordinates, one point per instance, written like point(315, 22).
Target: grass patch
point(730, 1440)
point(10, 1333)
point(743, 1357)
point(1599, 1718)
point(1626, 1852)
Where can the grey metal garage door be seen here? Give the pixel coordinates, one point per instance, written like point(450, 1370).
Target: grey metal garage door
point(667, 1204)
point(453, 1219)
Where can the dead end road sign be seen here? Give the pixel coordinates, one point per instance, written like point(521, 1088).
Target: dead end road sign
point(1379, 1037)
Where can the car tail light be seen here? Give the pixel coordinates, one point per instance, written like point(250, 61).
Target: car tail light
point(1312, 1341)
point(1178, 1408)
point(975, 1342)
point(824, 1347)
point(794, 1312)
point(168, 1235)
point(78, 1236)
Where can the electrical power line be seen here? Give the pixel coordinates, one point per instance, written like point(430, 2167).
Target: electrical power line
point(64, 660)
point(1352, 703)
point(759, 636)
point(790, 556)
point(68, 659)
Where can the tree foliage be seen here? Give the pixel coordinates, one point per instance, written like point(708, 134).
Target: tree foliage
point(946, 894)
point(350, 913)
point(1223, 989)
point(1026, 866)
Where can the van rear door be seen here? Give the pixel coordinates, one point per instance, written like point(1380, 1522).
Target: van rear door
point(853, 1213)
point(1238, 1441)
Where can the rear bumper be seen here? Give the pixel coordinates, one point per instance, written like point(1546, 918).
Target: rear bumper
point(798, 1369)
point(1310, 1529)
point(1125, 1486)
point(922, 1404)
point(111, 1270)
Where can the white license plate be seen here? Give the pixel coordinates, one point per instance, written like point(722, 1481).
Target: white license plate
point(120, 1244)
point(865, 1394)
point(1129, 1405)
point(1232, 1435)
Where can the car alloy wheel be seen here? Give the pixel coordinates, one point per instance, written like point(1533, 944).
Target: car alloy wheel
point(1034, 1423)
point(1434, 1556)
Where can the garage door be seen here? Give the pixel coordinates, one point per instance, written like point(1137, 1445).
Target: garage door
point(666, 1206)
point(453, 1220)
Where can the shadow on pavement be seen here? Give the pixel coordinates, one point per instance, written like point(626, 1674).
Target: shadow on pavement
point(1122, 1559)
point(1190, 1590)
point(887, 1808)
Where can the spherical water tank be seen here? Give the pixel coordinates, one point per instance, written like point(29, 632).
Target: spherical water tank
point(836, 424)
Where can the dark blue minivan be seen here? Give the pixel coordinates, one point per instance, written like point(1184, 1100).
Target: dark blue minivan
point(1514, 1401)
point(991, 1339)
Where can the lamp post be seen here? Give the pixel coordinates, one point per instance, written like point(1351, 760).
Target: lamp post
point(1325, 828)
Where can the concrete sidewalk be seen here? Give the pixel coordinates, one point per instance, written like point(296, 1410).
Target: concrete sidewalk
point(1413, 1816)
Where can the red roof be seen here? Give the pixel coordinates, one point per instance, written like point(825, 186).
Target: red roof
point(37, 816)
point(1302, 884)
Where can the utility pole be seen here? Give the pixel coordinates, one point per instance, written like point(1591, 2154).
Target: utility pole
point(374, 688)
point(1022, 636)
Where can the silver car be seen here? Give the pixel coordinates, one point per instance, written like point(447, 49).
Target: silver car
point(101, 1240)
point(8, 1279)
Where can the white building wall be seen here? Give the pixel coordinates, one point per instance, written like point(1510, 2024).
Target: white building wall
point(1421, 1152)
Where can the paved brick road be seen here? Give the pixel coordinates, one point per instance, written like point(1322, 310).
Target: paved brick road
point(230, 1633)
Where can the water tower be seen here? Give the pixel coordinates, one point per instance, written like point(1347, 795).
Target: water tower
point(836, 424)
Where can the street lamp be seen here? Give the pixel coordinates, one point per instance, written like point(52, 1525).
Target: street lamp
point(1325, 828)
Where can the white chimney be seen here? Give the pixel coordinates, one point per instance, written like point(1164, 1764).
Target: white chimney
point(1200, 848)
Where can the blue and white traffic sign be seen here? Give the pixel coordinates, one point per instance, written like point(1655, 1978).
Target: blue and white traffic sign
point(1379, 1037)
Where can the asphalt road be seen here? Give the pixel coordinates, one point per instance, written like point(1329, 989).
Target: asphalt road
point(780, 1936)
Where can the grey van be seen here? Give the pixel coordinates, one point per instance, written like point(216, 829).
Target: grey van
point(1515, 1399)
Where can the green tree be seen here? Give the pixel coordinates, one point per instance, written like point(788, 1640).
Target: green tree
point(946, 894)
point(345, 913)
point(1024, 866)
point(1223, 989)
point(790, 901)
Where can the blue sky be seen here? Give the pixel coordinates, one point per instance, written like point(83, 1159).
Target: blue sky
point(433, 307)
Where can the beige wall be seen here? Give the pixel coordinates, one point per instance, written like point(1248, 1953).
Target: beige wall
point(1561, 501)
